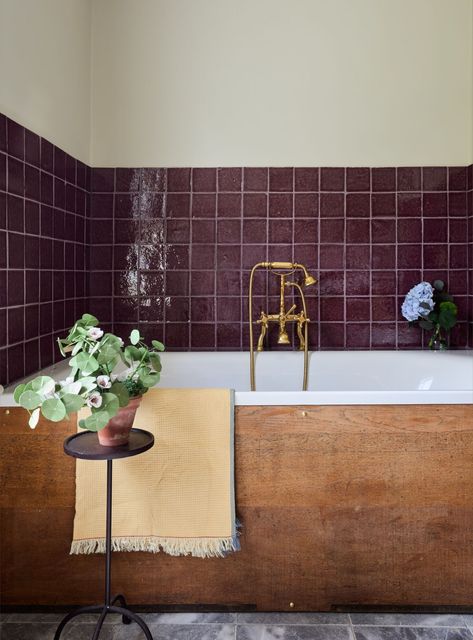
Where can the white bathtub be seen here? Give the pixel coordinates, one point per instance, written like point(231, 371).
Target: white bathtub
point(335, 377)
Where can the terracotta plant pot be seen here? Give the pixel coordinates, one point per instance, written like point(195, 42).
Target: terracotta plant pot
point(117, 430)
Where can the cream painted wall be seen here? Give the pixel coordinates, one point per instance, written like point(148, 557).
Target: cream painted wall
point(281, 82)
point(253, 82)
point(45, 69)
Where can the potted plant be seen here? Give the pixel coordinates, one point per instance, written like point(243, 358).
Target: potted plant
point(107, 376)
point(430, 307)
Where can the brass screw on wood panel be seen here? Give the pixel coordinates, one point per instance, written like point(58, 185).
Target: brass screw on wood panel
point(291, 605)
point(7, 412)
point(304, 413)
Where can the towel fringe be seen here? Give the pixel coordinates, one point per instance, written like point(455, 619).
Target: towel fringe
point(200, 548)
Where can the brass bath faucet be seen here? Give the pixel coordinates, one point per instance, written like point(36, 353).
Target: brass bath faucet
point(282, 270)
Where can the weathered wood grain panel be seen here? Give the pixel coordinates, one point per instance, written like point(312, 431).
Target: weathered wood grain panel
point(340, 505)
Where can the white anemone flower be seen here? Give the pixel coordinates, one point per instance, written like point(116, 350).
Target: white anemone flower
point(104, 382)
point(94, 400)
point(94, 333)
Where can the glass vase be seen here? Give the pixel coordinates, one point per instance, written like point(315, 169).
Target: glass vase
point(438, 341)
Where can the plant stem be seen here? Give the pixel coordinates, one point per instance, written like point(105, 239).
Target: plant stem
point(140, 364)
point(436, 335)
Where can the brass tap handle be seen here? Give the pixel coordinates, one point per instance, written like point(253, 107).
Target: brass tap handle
point(288, 313)
point(263, 321)
point(300, 334)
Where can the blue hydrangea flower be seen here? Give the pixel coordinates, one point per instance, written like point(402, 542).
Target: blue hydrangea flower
point(413, 308)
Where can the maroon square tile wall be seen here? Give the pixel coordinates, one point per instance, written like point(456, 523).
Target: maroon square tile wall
point(170, 250)
point(44, 197)
point(178, 249)
point(466, 255)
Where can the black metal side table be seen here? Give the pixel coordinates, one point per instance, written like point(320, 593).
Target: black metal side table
point(86, 446)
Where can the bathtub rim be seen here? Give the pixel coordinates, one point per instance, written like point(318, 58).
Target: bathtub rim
point(340, 398)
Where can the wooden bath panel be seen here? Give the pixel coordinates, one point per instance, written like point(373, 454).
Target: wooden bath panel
point(341, 505)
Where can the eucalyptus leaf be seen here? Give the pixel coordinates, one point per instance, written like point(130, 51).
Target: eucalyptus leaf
point(34, 418)
point(73, 387)
point(95, 421)
point(150, 379)
point(113, 363)
point(439, 285)
point(157, 345)
point(110, 404)
point(89, 320)
point(109, 338)
point(132, 354)
point(155, 361)
point(77, 347)
point(119, 389)
point(59, 344)
point(143, 371)
point(72, 402)
point(135, 336)
point(53, 409)
point(107, 354)
point(18, 391)
point(96, 347)
point(88, 383)
point(43, 385)
point(30, 400)
point(85, 362)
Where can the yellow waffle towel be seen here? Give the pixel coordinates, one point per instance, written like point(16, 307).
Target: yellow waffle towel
point(178, 496)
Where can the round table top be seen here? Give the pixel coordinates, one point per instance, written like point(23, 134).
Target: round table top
point(86, 445)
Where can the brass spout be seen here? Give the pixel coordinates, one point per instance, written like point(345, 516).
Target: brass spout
point(283, 317)
point(283, 338)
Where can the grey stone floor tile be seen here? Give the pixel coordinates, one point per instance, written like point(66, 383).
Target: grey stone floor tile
point(288, 618)
point(293, 632)
point(468, 618)
point(218, 617)
point(91, 618)
point(27, 631)
point(46, 631)
point(407, 633)
point(459, 634)
point(85, 632)
point(179, 632)
point(408, 619)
